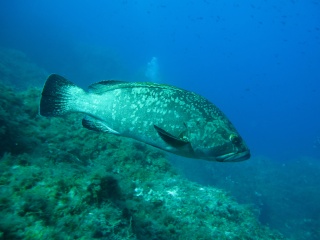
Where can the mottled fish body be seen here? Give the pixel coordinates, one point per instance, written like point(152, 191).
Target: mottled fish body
point(166, 117)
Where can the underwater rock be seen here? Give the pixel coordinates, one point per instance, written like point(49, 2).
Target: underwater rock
point(18, 70)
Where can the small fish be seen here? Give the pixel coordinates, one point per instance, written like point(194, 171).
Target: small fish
point(166, 117)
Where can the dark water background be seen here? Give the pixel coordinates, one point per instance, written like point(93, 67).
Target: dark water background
point(259, 61)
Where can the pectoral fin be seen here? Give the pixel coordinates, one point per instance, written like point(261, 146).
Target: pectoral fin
point(174, 141)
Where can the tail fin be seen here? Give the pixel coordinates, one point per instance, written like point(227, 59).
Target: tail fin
point(58, 96)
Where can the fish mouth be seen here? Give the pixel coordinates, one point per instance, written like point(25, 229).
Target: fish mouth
point(234, 157)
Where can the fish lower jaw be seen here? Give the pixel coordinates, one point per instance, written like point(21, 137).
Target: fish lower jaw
point(234, 157)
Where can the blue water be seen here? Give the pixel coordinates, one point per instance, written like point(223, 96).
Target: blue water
point(259, 61)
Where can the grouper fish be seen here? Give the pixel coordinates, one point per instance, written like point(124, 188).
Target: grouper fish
point(166, 117)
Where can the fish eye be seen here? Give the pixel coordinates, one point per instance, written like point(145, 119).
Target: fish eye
point(234, 138)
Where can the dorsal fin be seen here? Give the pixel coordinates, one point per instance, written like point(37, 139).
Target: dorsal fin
point(104, 86)
point(108, 85)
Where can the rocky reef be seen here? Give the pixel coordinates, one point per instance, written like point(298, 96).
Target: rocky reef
point(19, 70)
